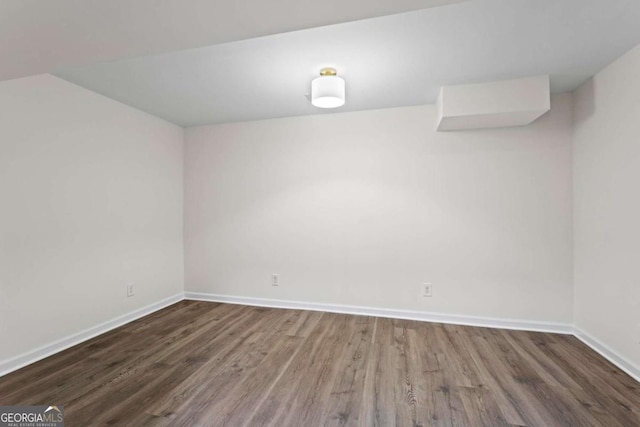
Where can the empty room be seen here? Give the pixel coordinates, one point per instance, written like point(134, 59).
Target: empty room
point(320, 213)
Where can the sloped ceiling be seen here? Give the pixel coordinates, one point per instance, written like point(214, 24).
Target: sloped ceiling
point(40, 36)
point(389, 61)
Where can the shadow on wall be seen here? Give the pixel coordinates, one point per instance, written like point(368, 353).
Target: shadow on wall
point(584, 102)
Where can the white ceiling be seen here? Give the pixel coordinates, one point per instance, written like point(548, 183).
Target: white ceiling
point(38, 36)
point(388, 61)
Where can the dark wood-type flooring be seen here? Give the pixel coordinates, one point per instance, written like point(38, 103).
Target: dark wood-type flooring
point(208, 364)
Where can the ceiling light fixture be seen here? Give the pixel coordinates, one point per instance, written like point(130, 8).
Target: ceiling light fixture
point(327, 91)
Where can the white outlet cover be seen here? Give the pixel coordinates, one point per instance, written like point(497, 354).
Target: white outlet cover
point(427, 290)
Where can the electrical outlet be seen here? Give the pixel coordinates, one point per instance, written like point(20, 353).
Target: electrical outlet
point(275, 280)
point(427, 290)
point(130, 290)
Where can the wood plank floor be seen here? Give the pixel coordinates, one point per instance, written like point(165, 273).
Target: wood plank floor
point(208, 364)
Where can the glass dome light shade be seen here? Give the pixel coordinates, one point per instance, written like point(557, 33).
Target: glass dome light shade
point(328, 92)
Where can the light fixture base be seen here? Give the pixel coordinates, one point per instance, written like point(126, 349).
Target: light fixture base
point(328, 72)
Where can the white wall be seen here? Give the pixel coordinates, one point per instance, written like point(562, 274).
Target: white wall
point(356, 208)
point(90, 199)
point(361, 208)
point(607, 207)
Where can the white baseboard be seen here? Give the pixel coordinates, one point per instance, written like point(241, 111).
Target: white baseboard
point(487, 322)
point(605, 351)
point(33, 356)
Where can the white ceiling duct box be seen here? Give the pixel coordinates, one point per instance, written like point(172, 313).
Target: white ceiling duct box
point(493, 105)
